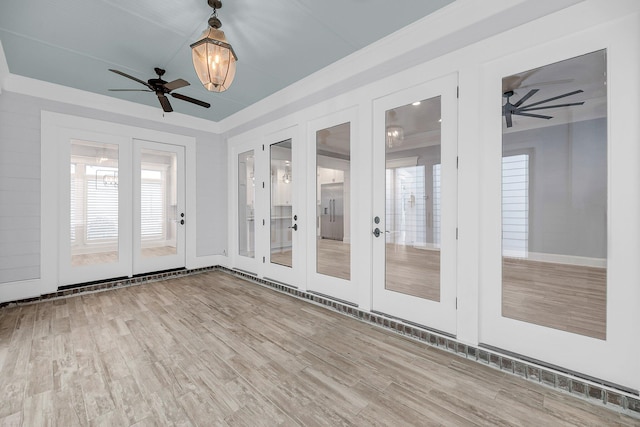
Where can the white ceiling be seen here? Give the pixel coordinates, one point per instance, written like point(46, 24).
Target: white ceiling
point(74, 42)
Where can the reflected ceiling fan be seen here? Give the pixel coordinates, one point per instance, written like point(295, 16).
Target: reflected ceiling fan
point(519, 109)
point(161, 88)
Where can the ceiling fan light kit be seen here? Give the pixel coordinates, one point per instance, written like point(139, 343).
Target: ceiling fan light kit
point(213, 57)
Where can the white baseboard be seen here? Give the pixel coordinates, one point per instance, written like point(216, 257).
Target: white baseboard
point(558, 258)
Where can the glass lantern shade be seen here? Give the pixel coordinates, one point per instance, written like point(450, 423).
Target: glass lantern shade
point(395, 135)
point(214, 60)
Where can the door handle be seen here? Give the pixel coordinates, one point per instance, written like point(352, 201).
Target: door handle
point(377, 232)
point(294, 226)
point(182, 222)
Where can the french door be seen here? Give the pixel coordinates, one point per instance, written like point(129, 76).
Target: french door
point(121, 207)
point(280, 215)
point(415, 204)
point(159, 207)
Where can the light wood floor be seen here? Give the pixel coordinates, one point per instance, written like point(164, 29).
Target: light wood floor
point(210, 349)
point(566, 297)
point(112, 256)
point(334, 258)
point(413, 271)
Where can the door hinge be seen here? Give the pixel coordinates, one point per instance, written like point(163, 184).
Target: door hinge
point(457, 161)
point(263, 222)
point(456, 233)
point(456, 303)
point(457, 91)
point(262, 184)
point(263, 260)
point(262, 147)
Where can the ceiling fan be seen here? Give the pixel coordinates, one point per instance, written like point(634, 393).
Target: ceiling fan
point(518, 109)
point(161, 88)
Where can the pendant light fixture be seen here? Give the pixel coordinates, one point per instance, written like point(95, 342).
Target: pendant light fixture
point(213, 57)
point(394, 132)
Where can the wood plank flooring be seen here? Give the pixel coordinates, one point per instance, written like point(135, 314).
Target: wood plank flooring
point(109, 257)
point(210, 349)
point(571, 298)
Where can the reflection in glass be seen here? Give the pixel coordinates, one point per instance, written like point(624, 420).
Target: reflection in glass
point(246, 200)
point(413, 141)
point(94, 203)
point(554, 196)
point(332, 201)
point(158, 203)
point(281, 210)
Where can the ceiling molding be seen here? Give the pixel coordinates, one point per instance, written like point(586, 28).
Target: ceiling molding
point(453, 27)
point(54, 92)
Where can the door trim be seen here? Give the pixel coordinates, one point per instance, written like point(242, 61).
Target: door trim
point(441, 315)
point(52, 125)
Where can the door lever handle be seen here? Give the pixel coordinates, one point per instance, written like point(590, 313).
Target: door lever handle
point(294, 226)
point(376, 232)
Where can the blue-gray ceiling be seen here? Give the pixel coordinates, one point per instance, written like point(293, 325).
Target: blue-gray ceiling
point(74, 42)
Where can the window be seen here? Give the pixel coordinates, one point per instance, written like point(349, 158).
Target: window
point(515, 205)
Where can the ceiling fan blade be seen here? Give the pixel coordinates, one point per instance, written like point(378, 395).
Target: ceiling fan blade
point(536, 116)
point(176, 84)
point(164, 101)
point(554, 98)
point(551, 106)
point(551, 82)
point(527, 96)
point(192, 100)
point(130, 90)
point(130, 77)
point(509, 119)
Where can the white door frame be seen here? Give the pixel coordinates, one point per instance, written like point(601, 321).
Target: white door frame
point(440, 316)
point(346, 290)
point(295, 275)
point(149, 264)
point(79, 274)
point(247, 264)
point(57, 129)
point(610, 358)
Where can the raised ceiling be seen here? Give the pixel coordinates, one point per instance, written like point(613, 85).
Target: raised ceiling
point(74, 42)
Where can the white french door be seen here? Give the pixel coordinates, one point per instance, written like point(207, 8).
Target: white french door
point(280, 212)
point(331, 264)
point(159, 216)
point(120, 206)
point(415, 204)
point(94, 207)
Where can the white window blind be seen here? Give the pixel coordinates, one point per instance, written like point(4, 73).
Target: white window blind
point(436, 205)
point(515, 205)
point(152, 202)
point(102, 203)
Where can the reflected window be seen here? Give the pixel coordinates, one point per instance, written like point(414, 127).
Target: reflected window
point(158, 203)
point(93, 203)
point(333, 217)
point(554, 195)
point(246, 204)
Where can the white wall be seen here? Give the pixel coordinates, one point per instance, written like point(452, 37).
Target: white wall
point(480, 42)
point(20, 184)
point(433, 51)
point(568, 187)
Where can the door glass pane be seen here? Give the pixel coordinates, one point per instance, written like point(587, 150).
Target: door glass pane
point(332, 201)
point(94, 203)
point(158, 203)
point(281, 210)
point(413, 140)
point(554, 195)
point(246, 199)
